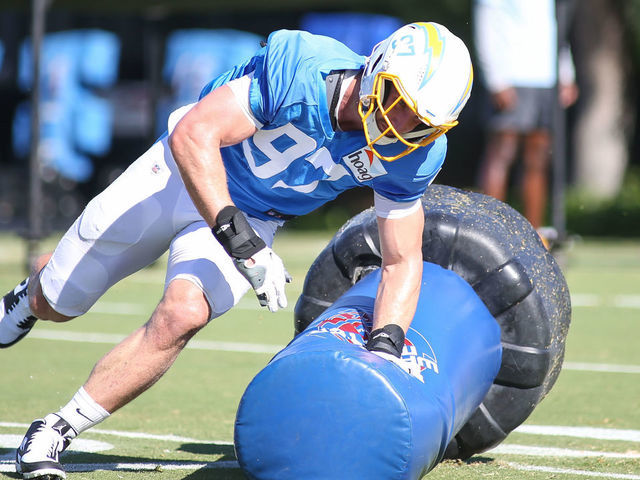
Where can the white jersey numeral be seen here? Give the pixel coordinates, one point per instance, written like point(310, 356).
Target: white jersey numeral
point(302, 145)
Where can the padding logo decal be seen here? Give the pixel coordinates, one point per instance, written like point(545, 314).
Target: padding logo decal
point(353, 326)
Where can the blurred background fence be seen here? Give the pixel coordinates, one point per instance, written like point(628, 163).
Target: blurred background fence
point(112, 71)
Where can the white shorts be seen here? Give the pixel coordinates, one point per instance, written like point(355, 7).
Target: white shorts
point(146, 211)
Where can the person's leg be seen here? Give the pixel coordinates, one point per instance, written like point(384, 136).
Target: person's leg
point(536, 158)
point(37, 303)
point(121, 375)
point(123, 229)
point(144, 356)
point(202, 283)
point(499, 155)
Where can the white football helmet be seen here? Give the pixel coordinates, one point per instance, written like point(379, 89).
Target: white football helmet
point(431, 70)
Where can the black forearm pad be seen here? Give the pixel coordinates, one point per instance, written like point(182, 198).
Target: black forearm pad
point(388, 339)
point(235, 234)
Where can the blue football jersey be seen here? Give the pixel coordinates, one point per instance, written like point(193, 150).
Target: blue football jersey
point(296, 161)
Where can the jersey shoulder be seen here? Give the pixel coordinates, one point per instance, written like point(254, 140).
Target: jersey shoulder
point(291, 70)
point(295, 47)
point(408, 177)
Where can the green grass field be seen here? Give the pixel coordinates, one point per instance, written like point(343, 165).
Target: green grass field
point(588, 426)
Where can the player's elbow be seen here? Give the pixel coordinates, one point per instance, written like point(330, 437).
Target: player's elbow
point(179, 139)
point(190, 137)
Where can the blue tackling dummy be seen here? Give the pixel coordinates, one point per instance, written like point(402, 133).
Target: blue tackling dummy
point(326, 408)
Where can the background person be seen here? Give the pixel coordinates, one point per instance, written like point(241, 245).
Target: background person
point(517, 50)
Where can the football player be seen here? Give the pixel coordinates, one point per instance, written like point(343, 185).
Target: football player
point(278, 136)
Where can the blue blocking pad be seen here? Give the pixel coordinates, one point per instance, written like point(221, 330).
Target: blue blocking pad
point(326, 408)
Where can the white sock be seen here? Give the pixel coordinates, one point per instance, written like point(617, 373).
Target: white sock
point(82, 412)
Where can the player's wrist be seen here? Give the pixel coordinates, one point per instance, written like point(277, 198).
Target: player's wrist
point(234, 233)
point(388, 339)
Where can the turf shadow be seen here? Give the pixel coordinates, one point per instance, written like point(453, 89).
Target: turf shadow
point(227, 451)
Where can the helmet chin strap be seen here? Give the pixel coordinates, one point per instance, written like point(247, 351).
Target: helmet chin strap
point(419, 133)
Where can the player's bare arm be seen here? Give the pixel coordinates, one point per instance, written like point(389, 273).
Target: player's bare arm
point(214, 122)
point(218, 121)
point(401, 244)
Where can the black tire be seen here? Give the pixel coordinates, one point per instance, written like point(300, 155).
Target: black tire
point(500, 255)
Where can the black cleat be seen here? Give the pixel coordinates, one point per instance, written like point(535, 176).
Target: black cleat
point(38, 454)
point(15, 318)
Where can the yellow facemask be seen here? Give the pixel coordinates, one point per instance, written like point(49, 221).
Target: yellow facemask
point(422, 138)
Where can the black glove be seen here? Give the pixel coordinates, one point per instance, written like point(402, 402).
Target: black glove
point(388, 339)
point(387, 342)
point(254, 260)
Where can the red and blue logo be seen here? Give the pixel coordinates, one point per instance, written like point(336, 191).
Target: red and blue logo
point(353, 326)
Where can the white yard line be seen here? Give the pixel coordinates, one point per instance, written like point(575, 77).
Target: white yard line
point(87, 445)
point(601, 367)
point(103, 307)
point(533, 451)
point(8, 466)
point(627, 301)
point(569, 471)
point(159, 466)
point(120, 308)
point(79, 445)
point(585, 300)
point(594, 300)
point(113, 338)
point(126, 434)
point(581, 432)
